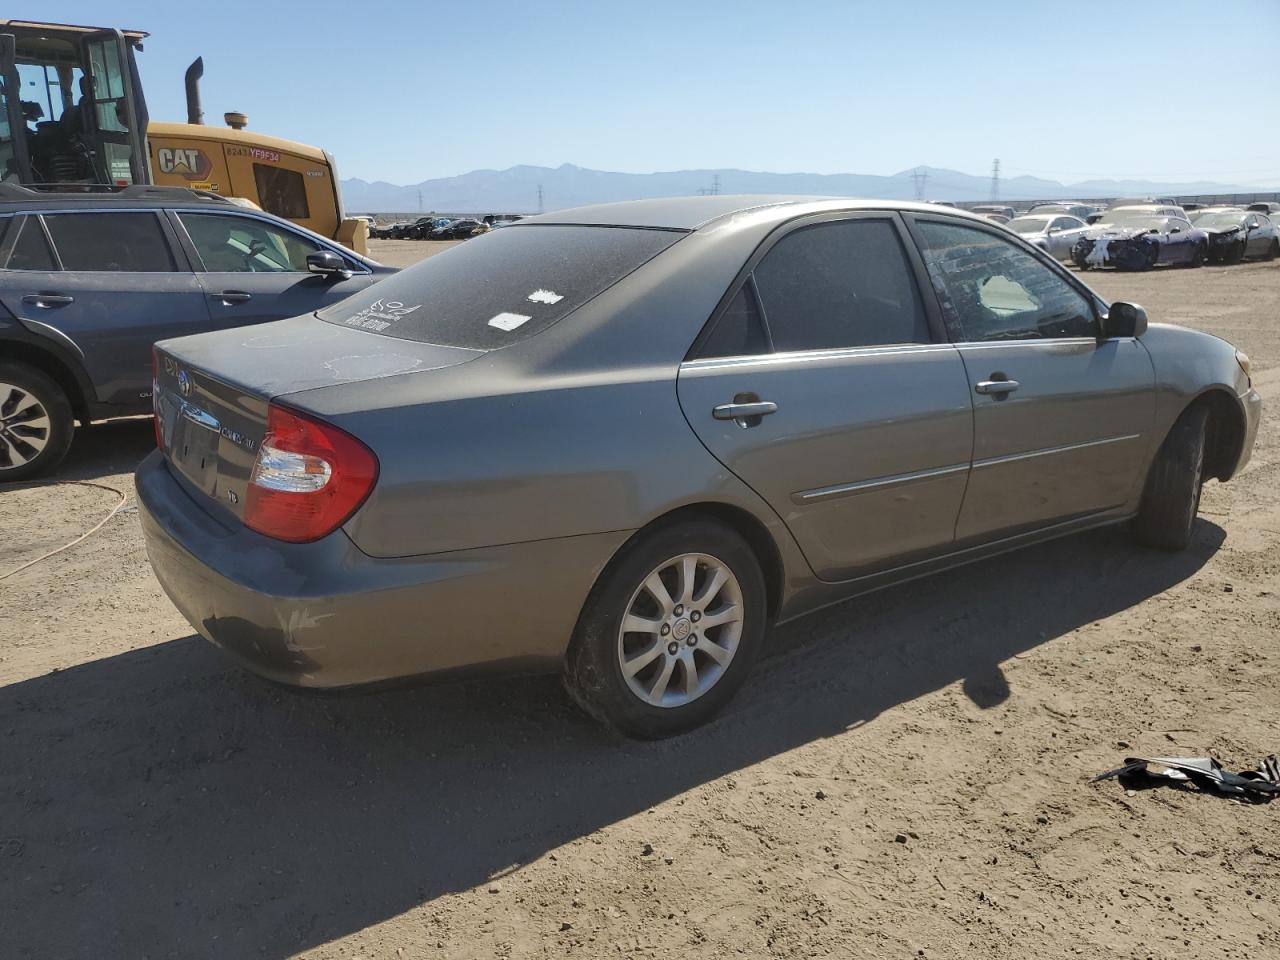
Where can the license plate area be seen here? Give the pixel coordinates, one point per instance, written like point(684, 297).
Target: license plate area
point(193, 436)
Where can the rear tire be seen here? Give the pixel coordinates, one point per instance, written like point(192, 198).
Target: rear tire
point(677, 669)
point(36, 423)
point(1171, 497)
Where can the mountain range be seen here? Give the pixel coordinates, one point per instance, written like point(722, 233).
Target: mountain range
point(516, 189)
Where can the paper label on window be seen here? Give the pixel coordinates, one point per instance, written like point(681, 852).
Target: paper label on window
point(545, 296)
point(509, 321)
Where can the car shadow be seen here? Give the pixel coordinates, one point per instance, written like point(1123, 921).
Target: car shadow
point(105, 449)
point(163, 803)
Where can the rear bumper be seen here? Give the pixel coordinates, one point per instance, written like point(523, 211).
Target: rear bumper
point(325, 614)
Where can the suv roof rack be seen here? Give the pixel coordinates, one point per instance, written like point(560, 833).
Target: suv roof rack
point(136, 191)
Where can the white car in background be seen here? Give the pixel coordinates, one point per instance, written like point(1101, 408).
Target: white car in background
point(1053, 233)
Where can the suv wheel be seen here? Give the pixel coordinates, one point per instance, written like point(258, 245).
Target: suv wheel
point(35, 422)
point(669, 632)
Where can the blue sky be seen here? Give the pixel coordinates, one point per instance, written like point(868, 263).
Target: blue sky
point(403, 91)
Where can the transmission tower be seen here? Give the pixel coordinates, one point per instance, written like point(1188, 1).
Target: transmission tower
point(995, 180)
point(921, 177)
point(715, 185)
point(540, 198)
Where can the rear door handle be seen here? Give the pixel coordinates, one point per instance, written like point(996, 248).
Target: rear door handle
point(234, 296)
point(47, 301)
point(740, 411)
point(997, 388)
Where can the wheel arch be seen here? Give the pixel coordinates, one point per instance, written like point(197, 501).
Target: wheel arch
point(741, 522)
point(1224, 431)
point(57, 368)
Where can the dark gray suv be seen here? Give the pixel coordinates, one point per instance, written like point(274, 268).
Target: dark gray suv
point(89, 281)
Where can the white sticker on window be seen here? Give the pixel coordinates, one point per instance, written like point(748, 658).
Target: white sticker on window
point(545, 296)
point(509, 321)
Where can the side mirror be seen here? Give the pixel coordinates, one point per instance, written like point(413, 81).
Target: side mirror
point(1124, 320)
point(328, 264)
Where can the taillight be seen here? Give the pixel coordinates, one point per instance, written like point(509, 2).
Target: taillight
point(308, 479)
point(155, 398)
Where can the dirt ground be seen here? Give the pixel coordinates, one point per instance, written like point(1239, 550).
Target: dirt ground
point(905, 775)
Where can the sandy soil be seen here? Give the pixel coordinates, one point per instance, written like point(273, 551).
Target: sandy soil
point(905, 775)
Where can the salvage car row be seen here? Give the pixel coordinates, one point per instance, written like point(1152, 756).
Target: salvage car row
point(437, 228)
point(1142, 236)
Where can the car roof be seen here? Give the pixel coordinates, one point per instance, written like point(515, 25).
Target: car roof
point(13, 196)
point(694, 213)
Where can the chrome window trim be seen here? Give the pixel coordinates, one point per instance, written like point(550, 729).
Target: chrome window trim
point(811, 356)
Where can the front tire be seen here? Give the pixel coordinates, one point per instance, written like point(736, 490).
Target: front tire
point(36, 423)
point(669, 632)
point(1273, 251)
point(1171, 497)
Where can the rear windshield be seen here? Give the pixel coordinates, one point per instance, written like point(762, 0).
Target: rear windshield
point(502, 287)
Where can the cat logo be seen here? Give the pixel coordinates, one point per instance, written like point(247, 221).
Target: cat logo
point(183, 162)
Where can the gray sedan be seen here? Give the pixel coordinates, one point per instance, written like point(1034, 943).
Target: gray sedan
point(622, 441)
point(1053, 233)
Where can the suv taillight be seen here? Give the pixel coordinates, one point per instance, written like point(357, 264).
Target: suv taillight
point(308, 479)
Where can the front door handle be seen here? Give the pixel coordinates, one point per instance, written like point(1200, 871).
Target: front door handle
point(47, 301)
point(997, 388)
point(742, 411)
point(234, 296)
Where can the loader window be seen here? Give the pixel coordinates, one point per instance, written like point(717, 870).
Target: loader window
point(282, 192)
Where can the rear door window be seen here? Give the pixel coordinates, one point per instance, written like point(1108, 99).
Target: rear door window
point(129, 242)
point(501, 287)
point(31, 251)
point(841, 284)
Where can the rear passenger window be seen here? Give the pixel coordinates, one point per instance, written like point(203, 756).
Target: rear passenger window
point(31, 252)
point(840, 284)
point(120, 242)
point(738, 332)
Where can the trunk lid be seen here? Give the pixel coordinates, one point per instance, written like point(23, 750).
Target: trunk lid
point(211, 391)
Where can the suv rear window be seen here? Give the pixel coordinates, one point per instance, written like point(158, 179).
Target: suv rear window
point(502, 287)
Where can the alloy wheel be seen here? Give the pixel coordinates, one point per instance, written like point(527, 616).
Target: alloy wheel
point(680, 630)
point(25, 427)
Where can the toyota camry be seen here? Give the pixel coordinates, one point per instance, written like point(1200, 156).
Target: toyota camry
point(622, 441)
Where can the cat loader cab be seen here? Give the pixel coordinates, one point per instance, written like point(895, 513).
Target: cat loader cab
point(73, 111)
point(73, 117)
